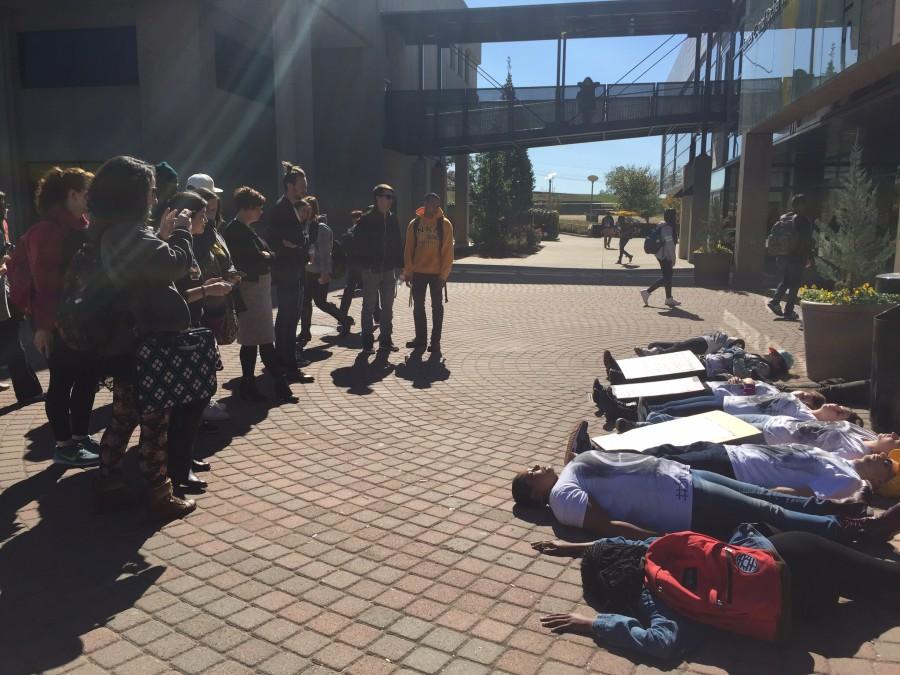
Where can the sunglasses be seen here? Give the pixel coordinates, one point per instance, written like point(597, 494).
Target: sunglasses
point(386, 195)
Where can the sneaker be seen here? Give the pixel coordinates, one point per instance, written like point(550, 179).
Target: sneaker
point(791, 316)
point(88, 443)
point(579, 440)
point(5, 386)
point(622, 425)
point(216, 412)
point(75, 455)
point(672, 302)
point(645, 296)
point(649, 351)
point(775, 307)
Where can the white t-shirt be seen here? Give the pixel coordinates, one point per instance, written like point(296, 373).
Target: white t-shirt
point(841, 438)
point(650, 492)
point(722, 389)
point(794, 466)
point(767, 404)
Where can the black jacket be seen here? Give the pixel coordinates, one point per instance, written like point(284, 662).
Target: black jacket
point(377, 244)
point(246, 248)
point(285, 226)
point(804, 243)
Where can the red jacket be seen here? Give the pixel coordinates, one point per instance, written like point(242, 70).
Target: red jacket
point(50, 245)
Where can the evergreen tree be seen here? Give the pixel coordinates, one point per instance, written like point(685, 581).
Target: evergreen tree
point(855, 249)
point(517, 167)
point(490, 201)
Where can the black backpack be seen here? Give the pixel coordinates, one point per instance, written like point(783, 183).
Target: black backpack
point(653, 240)
point(338, 259)
point(91, 311)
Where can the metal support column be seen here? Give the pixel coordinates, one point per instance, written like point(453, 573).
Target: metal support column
point(439, 72)
point(421, 67)
point(562, 90)
point(707, 92)
point(557, 114)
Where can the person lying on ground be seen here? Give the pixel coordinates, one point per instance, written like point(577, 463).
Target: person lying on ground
point(801, 405)
point(774, 365)
point(817, 572)
point(795, 469)
point(843, 438)
point(635, 495)
point(708, 343)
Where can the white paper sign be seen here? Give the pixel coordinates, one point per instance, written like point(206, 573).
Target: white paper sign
point(658, 388)
point(661, 366)
point(715, 427)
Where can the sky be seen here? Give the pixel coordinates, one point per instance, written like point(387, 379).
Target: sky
point(604, 60)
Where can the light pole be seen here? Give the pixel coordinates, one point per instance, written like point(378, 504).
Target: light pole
point(550, 177)
point(593, 180)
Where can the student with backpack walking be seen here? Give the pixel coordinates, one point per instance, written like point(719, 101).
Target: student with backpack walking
point(318, 271)
point(657, 595)
point(36, 272)
point(428, 259)
point(791, 241)
point(661, 242)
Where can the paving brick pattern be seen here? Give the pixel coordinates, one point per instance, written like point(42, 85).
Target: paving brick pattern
point(369, 529)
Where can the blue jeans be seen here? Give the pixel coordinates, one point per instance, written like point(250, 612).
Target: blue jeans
point(792, 279)
point(687, 406)
point(288, 295)
point(758, 421)
point(378, 284)
point(721, 504)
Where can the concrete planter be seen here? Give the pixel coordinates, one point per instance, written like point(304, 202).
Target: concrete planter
point(838, 339)
point(711, 269)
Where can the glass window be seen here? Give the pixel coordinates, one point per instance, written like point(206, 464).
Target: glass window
point(89, 57)
point(245, 71)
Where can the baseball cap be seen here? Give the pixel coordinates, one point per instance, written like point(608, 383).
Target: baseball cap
point(892, 487)
point(202, 180)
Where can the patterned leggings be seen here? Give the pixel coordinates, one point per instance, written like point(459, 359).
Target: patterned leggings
point(153, 447)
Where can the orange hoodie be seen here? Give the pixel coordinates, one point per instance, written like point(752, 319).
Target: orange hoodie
point(427, 259)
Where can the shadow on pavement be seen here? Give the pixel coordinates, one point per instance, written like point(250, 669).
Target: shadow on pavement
point(678, 313)
point(68, 574)
point(244, 416)
point(421, 373)
point(359, 378)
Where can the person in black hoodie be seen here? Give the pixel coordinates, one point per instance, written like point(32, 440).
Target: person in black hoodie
point(378, 250)
point(289, 241)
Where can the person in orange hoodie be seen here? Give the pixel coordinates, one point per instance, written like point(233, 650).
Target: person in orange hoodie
point(428, 258)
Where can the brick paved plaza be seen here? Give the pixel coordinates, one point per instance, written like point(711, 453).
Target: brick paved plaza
point(369, 529)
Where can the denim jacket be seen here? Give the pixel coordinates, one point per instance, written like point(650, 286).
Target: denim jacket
point(658, 632)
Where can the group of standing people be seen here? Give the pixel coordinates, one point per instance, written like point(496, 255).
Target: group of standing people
point(129, 281)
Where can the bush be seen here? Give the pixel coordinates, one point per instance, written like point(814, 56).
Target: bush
point(546, 220)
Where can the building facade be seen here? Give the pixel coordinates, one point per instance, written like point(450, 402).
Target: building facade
point(225, 87)
point(810, 78)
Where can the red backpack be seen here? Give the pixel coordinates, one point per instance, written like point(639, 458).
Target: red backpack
point(739, 589)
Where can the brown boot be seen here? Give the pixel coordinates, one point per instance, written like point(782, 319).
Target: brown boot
point(112, 494)
point(162, 504)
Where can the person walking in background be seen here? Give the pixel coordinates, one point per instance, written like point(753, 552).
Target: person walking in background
point(606, 228)
point(428, 258)
point(625, 229)
point(253, 257)
point(798, 258)
point(379, 253)
point(318, 271)
point(290, 243)
point(36, 274)
point(668, 237)
point(24, 381)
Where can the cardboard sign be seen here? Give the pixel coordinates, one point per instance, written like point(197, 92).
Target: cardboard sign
point(661, 367)
point(715, 427)
point(657, 389)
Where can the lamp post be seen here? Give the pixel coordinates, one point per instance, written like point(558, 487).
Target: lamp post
point(593, 180)
point(550, 177)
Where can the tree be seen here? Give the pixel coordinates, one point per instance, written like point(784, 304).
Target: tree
point(855, 249)
point(490, 201)
point(517, 167)
point(636, 189)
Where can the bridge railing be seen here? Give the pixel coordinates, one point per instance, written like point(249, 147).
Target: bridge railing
point(418, 122)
